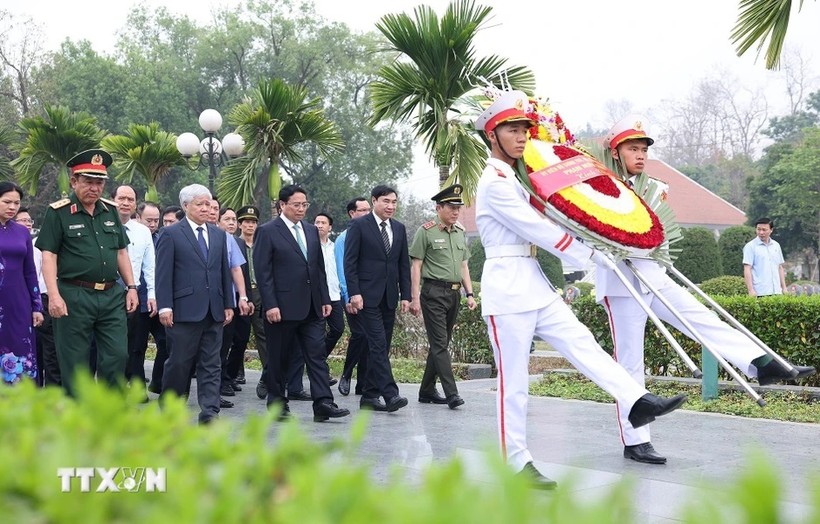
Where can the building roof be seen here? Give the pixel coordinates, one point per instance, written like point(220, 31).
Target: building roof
point(693, 204)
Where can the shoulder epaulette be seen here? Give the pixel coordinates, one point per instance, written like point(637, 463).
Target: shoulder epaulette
point(459, 225)
point(428, 225)
point(60, 203)
point(109, 202)
point(500, 173)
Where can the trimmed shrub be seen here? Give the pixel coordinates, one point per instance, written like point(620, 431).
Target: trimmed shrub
point(725, 285)
point(248, 472)
point(787, 324)
point(699, 258)
point(477, 258)
point(731, 242)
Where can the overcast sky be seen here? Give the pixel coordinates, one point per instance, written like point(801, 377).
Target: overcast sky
point(583, 52)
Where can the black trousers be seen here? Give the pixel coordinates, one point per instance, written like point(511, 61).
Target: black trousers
point(377, 323)
point(195, 343)
point(46, 350)
point(235, 337)
point(280, 337)
point(335, 328)
point(156, 329)
point(356, 356)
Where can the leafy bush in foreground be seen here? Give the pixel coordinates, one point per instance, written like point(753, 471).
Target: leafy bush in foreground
point(226, 474)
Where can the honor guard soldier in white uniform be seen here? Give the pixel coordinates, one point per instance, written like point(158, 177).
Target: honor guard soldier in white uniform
point(628, 144)
point(518, 301)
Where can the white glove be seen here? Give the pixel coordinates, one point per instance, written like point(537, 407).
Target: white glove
point(602, 259)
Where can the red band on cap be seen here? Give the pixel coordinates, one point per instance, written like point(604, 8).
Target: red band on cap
point(503, 116)
point(89, 168)
point(629, 134)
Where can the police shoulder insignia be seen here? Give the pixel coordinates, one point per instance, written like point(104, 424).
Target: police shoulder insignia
point(109, 202)
point(500, 173)
point(459, 225)
point(60, 203)
point(428, 225)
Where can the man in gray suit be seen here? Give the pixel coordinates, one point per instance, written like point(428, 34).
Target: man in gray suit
point(194, 298)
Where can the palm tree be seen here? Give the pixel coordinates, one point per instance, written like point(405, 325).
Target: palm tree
point(54, 139)
point(6, 139)
point(762, 20)
point(436, 68)
point(273, 122)
point(144, 150)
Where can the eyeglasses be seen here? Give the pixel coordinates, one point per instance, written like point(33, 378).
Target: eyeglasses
point(25, 221)
point(298, 205)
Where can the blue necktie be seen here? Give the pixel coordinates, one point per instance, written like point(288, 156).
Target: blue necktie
point(299, 240)
point(202, 245)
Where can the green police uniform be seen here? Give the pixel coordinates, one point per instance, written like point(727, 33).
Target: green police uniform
point(86, 247)
point(442, 251)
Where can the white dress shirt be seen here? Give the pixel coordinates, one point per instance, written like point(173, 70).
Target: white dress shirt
point(196, 233)
point(141, 253)
point(389, 227)
point(290, 225)
point(333, 288)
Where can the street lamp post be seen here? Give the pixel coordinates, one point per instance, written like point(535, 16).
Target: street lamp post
point(210, 149)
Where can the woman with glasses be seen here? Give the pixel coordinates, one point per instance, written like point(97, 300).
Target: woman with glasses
point(20, 305)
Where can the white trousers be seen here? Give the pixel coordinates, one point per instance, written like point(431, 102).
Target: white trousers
point(627, 321)
point(511, 336)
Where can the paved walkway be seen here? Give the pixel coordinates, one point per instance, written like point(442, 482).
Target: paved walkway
point(570, 438)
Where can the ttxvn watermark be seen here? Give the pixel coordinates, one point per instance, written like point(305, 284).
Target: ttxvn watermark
point(119, 479)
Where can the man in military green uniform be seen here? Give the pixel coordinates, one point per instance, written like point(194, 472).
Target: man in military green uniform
point(439, 271)
point(84, 252)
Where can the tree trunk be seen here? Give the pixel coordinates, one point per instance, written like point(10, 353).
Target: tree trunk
point(443, 175)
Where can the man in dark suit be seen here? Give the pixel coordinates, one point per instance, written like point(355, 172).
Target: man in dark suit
point(194, 298)
point(377, 270)
point(290, 274)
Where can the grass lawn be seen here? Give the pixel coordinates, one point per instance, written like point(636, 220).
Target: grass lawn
point(791, 407)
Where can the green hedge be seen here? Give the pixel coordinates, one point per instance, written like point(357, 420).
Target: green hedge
point(699, 258)
point(725, 285)
point(260, 471)
point(787, 324)
point(731, 243)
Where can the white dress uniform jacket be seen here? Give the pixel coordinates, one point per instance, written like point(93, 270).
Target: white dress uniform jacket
point(627, 321)
point(518, 303)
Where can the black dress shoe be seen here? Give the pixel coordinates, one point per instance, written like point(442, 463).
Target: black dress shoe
point(454, 401)
point(643, 453)
point(650, 406)
point(775, 372)
point(235, 386)
point(344, 386)
point(284, 411)
point(227, 391)
point(327, 410)
point(373, 404)
point(299, 395)
point(434, 398)
point(395, 403)
point(225, 403)
point(153, 388)
point(261, 390)
point(535, 478)
point(240, 379)
point(333, 381)
point(205, 420)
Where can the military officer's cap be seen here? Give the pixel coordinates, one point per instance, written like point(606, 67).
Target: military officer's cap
point(510, 106)
point(91, 163)
point(630, 127)
point(247, 213)
point(449, 195)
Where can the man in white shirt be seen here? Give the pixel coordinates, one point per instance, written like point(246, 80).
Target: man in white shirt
point(763, 262)
point(141, 252)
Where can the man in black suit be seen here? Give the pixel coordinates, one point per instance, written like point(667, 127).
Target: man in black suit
point(195, 299)
point(377, 270)
point(290, 274)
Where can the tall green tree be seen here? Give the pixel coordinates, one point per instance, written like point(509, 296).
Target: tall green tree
point(762, 21)
point(6, 140)
point(274, 121)
point(436, 67)
point(145, 150)
point(699, 258)
point(54, 139)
